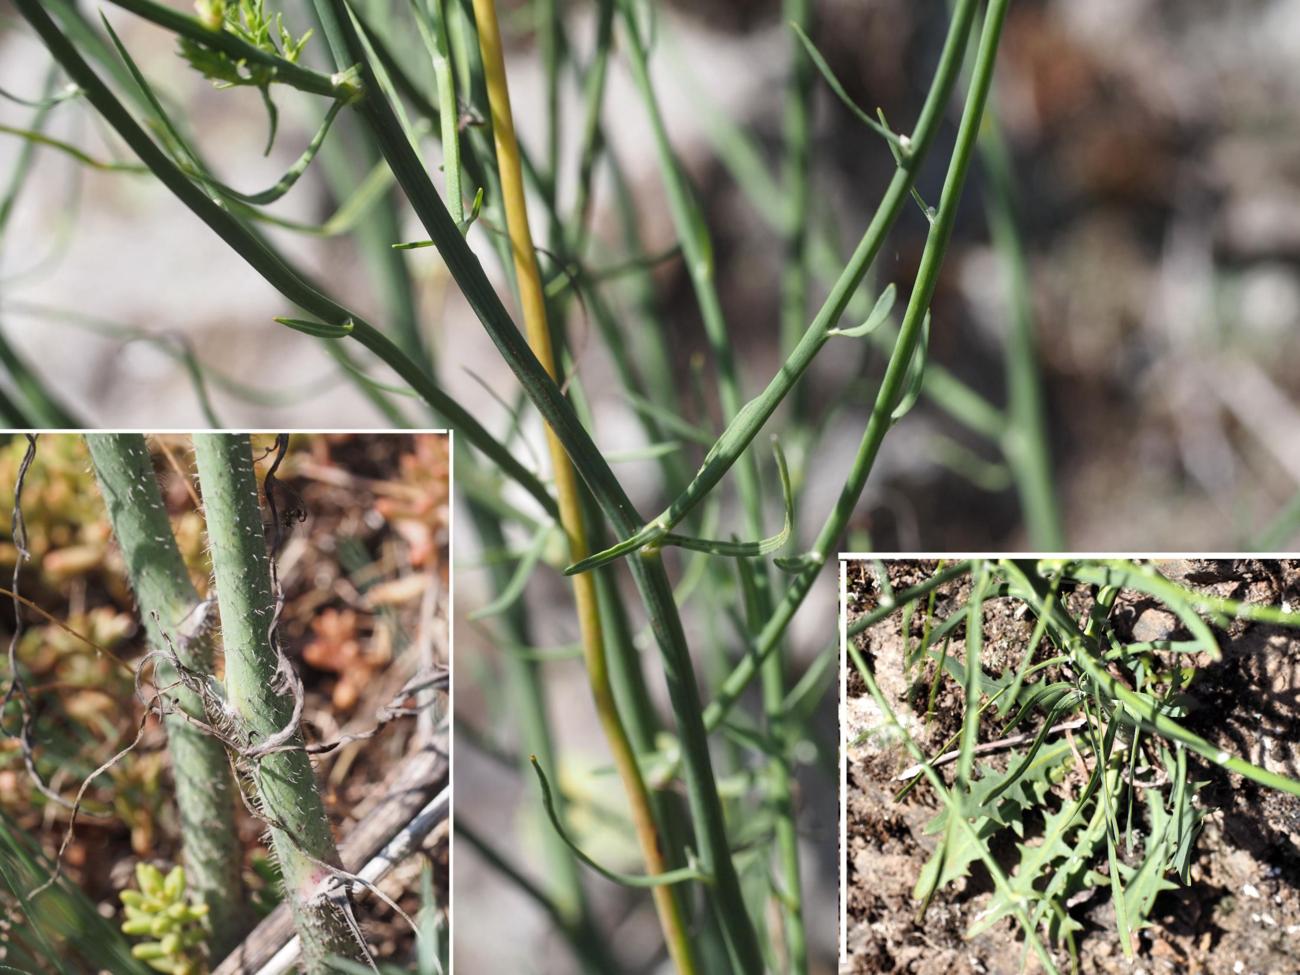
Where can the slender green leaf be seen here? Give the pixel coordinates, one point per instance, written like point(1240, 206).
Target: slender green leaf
point(879, 315)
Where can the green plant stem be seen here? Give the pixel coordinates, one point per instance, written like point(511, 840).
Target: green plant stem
point(651, 344)
point(692, 233)
point(738, 435)
point(743, 159)
point(697, 251)
point(891, 387)
point(284, 781)
point(435, 25)
point(375, 234)
point(1025, 442)
point(549, 30)
point(569, 494)
point(593, 139)
point(794, 300)
point(470, 276)
point(626, 676)
point(266, 262)
point(702, 790)
point(176, 621)
point(564, 895)
point(186, 25)
point(797, 183)
point(648, 572)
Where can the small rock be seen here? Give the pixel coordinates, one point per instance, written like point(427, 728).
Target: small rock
point(1154, 624)
point(1250, 890)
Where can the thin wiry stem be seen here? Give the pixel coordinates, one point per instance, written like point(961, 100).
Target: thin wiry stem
point(745, 426)
point(648, 570)
point(1025, 440)
point(794, 297)
point(568, 491)
point(891, 386)
point(266, 262)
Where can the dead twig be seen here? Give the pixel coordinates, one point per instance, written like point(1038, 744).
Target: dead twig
point(415, 785)
point(989, 746)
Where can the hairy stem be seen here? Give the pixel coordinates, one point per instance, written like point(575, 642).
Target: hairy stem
point(177, 621)
point(258, 696)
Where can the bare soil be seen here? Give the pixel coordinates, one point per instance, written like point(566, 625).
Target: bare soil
point(1241, 911)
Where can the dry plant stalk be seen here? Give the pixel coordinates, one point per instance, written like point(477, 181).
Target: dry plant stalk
point(568, 492)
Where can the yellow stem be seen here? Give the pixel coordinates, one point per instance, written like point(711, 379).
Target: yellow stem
point(533, 303)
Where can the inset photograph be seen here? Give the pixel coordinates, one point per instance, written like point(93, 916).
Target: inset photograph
point(225, 701)
point(1082, 765)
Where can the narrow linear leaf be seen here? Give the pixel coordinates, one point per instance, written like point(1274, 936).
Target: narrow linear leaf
point(879, 315)
point(67, 148)
point(69, 91)
point(843, 95)
point(681, 875)
point(519, 579)
point(650, 451)
point(916, 373)
point(745, 550)
point(188, 160)
point(369, 191)
point(463, 225)
point(286, 182)
point(320, 330)
point(646, 535)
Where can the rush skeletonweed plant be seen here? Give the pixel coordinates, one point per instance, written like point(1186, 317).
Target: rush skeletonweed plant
point(84, 727)
point(711, 792)
point(1096, 773)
